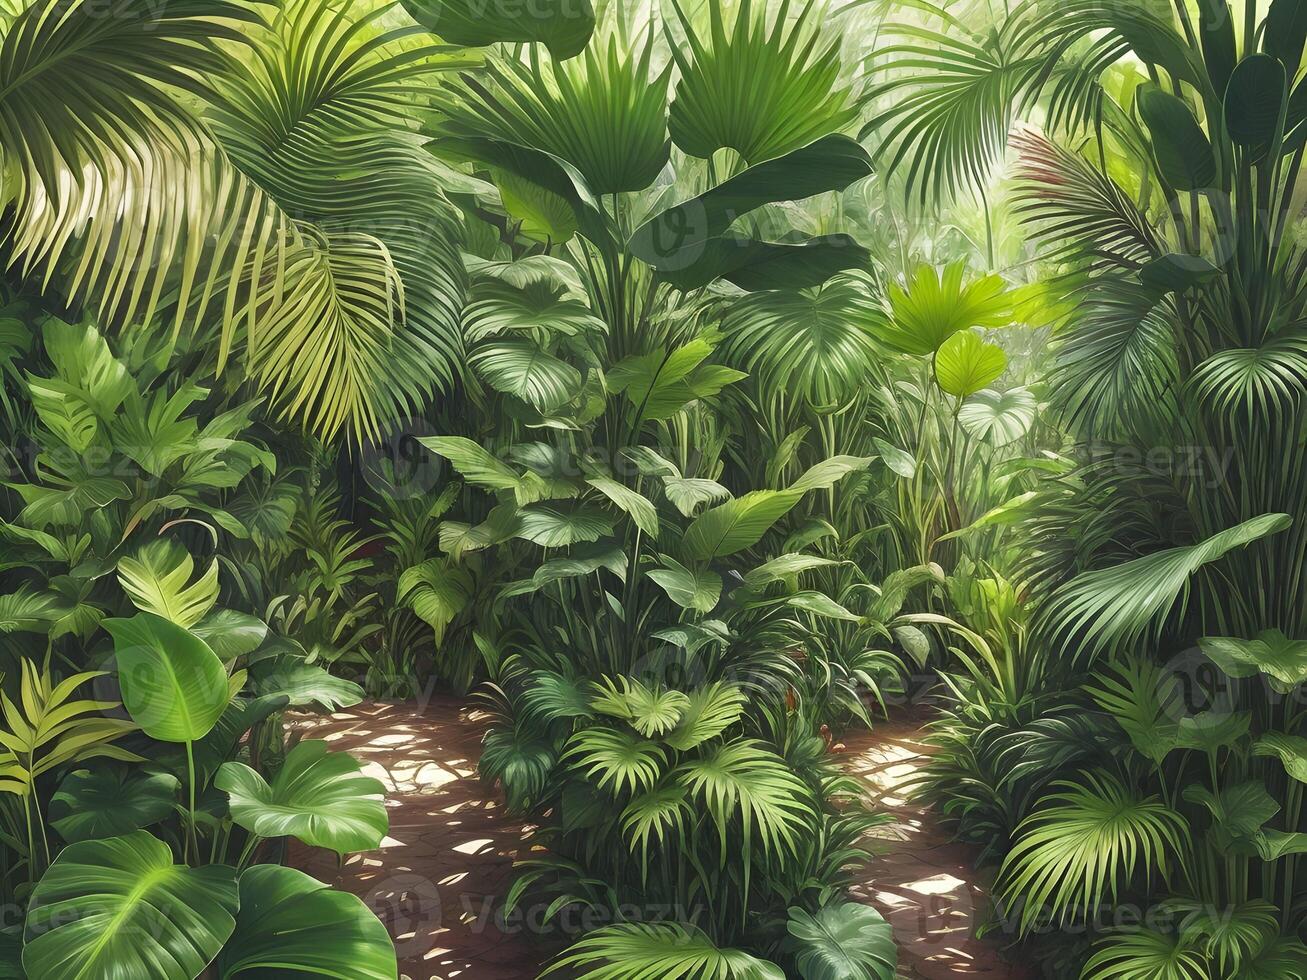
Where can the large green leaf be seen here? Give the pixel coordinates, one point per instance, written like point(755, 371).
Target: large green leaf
point(522, 369)
point(759, 91)
point(932, 307)
point(1281, 659)
point(691, 589)
point(1001, 417)
point(118, 908)
point(89, 386)
point(1184, 154)
point(737, 524)
point(291, 925)
point(965, 364)
point(638, 506)
point(662, 382)
point(1255, 102)
point(563, 26)
point(230, 633)
point(842, 942)
point(1291, 750)
point(1284, 33)
point(158, 581)
point(437, 591)
point(666, 951)
point(558, 527)
point(304, 684)
point(687, 244)
point(106, 802)
point(173, 685)
point(1104, 608)
point(319, 797)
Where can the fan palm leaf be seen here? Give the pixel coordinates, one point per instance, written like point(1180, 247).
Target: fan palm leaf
point(1086, 841)
point(661, 951)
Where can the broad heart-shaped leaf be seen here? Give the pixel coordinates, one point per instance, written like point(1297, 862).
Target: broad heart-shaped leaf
point(173, 685)
point(687, 244)
point(116, 908)
point(1254, 101)
point(1184, 154)
point(109, 801)
point(563, 26)
point(737, 524)
point(689, 589)
point(558, 527)
point(1000, 417)
point(292, 925)
point(520, 368)
point(1281, 659)
point(319, 797)
point(965, 364)
point(847, 941)
point(1291, 750)
point(156, 580)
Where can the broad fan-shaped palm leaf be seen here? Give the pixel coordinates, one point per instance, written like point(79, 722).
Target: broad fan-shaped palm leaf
point(1084, 843)
point(820, 344)
point(1147, 955)
point(761, 91)
point(932, 307)
point(666, 950)
point(604, 113)
point(617, 760)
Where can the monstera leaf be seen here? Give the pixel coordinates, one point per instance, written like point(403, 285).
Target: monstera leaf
point(107, 802)
point(320, 797)
point(120, 908)
point(291, 925)
point(965, 364)
point(1281, 659)
point(842, 942)
point(173, 685)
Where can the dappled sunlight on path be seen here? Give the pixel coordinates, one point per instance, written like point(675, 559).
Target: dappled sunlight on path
point(921, 881)
point(439, 877)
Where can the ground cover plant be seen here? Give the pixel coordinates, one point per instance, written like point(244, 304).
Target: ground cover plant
point(689, 386)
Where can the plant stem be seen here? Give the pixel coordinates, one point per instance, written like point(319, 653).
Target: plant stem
point(191, 842)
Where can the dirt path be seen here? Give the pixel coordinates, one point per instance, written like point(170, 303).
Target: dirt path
point(438, 878)
point(922, 882)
